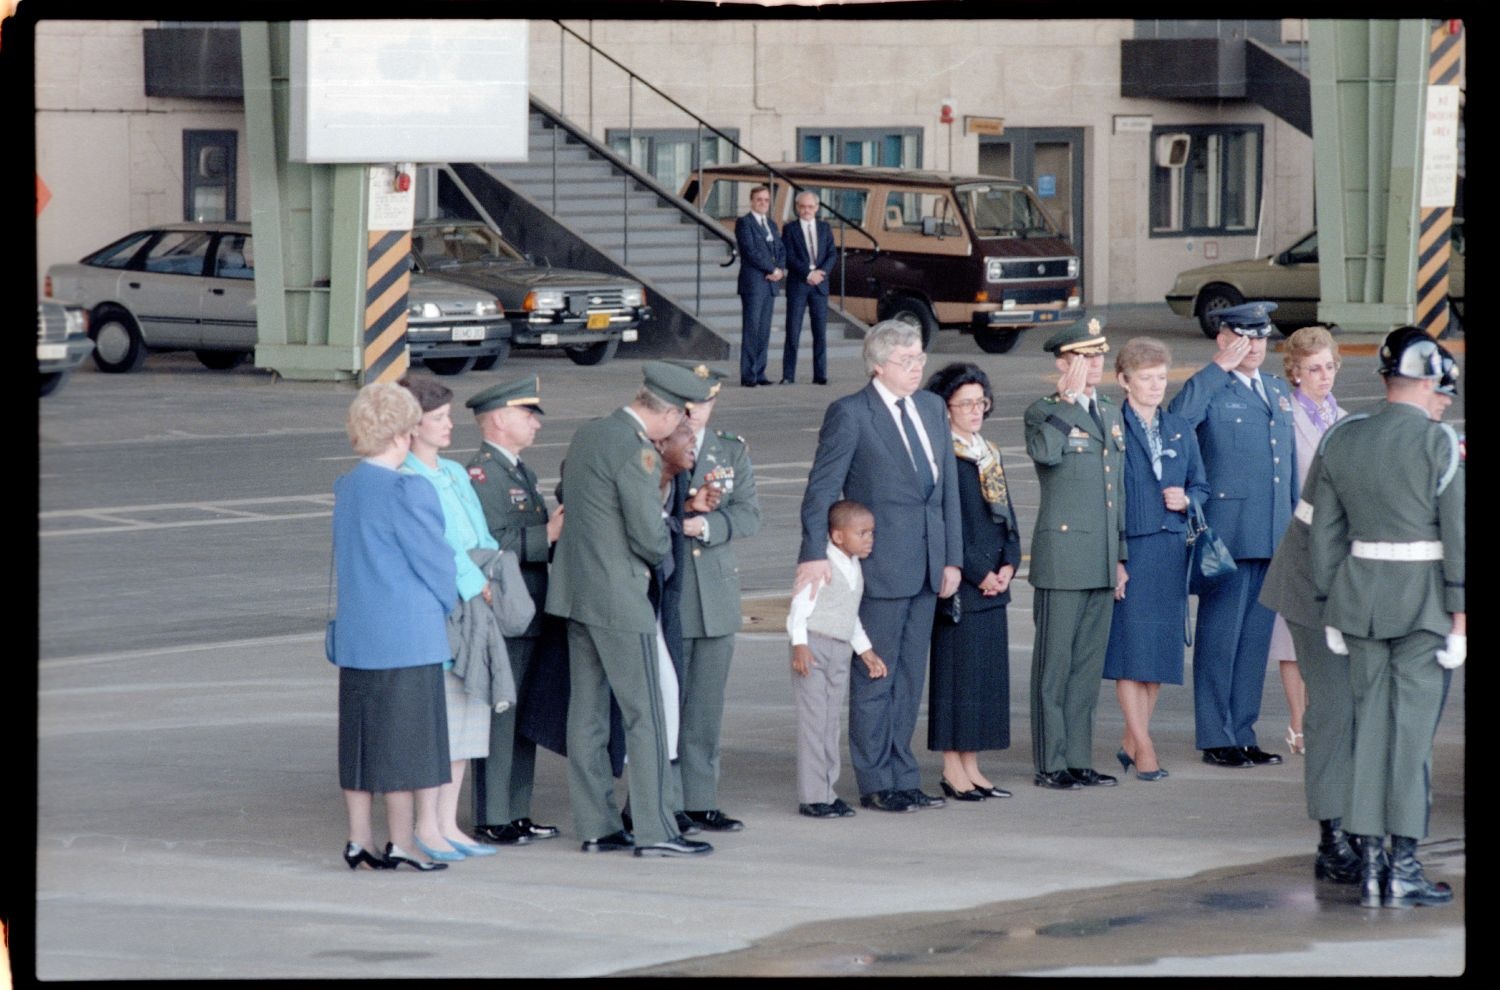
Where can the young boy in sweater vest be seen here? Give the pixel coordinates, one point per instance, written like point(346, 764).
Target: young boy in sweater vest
point(824, 626)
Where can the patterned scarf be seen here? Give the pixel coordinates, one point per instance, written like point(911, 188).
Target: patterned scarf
point(1323, 415)
point(1153, 437)
point(986, 457)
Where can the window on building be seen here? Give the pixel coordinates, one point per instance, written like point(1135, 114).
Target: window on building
point(894, 147)
point(208, 167)
point(1215, 189)
point(671, 154)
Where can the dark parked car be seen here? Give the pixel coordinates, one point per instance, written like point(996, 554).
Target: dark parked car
point(191, 286)
point(587, 314)
point(62, 342)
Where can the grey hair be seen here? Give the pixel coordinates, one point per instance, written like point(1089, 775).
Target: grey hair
point(805, 192)
point(651, 402)
point(884, 337)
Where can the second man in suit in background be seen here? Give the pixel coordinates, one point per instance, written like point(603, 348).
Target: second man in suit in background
point(809, 258)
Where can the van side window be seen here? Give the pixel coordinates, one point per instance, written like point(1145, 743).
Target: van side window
point(907, 211)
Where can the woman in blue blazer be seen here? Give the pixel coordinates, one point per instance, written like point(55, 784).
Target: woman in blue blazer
point(1163, 469)
point(396, 585)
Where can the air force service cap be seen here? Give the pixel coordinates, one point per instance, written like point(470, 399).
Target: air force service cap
point(1251, 319)
point(524, 392)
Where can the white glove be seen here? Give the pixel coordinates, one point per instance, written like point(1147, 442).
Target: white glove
point(1456, 652)
point(1335, 640)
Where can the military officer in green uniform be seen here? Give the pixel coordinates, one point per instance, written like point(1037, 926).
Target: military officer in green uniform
point(509, 417)
point(1387, 551)
point(710, 608)
point(1077, 440)
point(601, 570)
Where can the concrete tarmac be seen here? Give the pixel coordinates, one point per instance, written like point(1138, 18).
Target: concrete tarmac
point(189, 821)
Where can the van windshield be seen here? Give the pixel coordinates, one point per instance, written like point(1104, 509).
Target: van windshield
point(444, 247)
point(1003, 211)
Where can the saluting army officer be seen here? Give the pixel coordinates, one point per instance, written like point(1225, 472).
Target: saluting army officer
point(600, 577)
point(710, 607)
point(1387, 549)
point(1077, 440)
point(509, 417)
point(1243, 418)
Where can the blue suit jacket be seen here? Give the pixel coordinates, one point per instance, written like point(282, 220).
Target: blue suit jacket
point(396, 572)
point(861, 456)
point(1181, 467)
point(1250, 455)
point(798, 264)
point(760, 255)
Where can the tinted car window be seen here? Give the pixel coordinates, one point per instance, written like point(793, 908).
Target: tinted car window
point(118, 254)
point(179, 253)
point(1304, 251)
point(235, 257)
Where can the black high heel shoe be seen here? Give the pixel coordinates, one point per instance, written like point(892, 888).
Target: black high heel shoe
point(395, 857)
point(355, 855)
point(970, 795)
point(1125, 760)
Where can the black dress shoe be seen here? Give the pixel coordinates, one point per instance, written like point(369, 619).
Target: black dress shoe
point(818, 810)
point(992, 791)
point(1260, 758)
point(528, 827)
point(787, 381)
point(820, 381)
point(920, 800)
point(625, 820)
point(1226, 756)
point(716, 821)
point(1057, 780)
point(745, 384)
point(675, 846)
point(685, 825)
point(762, 381)
point(886, 801)
point(972, 794)
point(843, 809)
point(1089, 777)
point(610, 843)
point(502, 835)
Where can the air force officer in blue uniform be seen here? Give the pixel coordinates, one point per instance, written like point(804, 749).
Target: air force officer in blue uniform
point(1243, 418)
point(809, 259)
point(762, 269)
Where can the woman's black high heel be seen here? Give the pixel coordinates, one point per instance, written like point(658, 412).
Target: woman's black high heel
point(957, 795)
point(1125, 760)
point(356, 855)
point(395, 857)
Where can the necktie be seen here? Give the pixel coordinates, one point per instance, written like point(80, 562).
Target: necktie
point(1260, 390)
point(762, 221)
point(812, 244)
point(526, 473)
point(918, 455)
point(1094, 412)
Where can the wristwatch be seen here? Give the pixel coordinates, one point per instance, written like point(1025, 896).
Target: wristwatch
point(1070, 394)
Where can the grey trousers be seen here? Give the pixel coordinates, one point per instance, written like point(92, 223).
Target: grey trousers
point(1067, 663)
point(819, 699)
point(1328, 724)
point(883, 712)
point(503, 780)
point(705, 672)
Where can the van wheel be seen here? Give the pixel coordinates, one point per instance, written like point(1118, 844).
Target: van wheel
point(914, 313)
point(996, 341)
point(118, 346)
point(1213, 298)
point(221, 360)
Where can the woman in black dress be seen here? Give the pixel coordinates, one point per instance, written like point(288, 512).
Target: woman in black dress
point(968, 704)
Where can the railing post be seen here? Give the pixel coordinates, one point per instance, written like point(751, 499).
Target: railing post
point(625, 179)
point(843, 267)
point(698, 268)
point(562, 104)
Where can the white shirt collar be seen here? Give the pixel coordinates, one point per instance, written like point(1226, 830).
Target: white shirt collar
point(890, 398)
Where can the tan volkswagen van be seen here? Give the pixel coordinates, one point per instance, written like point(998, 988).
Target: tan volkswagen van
point(976, 253)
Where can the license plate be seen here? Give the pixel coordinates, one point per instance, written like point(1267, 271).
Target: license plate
point(598, 321)
point(1044, 317)
point(468, 333)
point(549, 339)
point(51, 352)
point(630, 335)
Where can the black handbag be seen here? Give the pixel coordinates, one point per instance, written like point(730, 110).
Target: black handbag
point(950, 609)
point(1208, 558)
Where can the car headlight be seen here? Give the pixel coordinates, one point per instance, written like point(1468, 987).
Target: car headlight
point(490, 308)
point(1072, 268)
point(993, 270)
point(634, 297)
point(543, 299)
point(424, 311)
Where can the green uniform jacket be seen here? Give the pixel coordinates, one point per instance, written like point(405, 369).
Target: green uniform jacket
point(614, 533)
point(1080, 525)
point(517, 518)
point(711, 586)
point(1288, 586)
point(1393, 476)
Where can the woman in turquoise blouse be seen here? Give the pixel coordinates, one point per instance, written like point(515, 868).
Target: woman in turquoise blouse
point(464, 529)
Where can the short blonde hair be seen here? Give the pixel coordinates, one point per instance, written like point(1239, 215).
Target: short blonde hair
point(1141, 352)
point(379, 414)
point(1304, 344)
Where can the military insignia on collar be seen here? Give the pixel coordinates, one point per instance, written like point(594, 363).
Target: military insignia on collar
point(648, 460)
point(476, 473)
point(1286, 406)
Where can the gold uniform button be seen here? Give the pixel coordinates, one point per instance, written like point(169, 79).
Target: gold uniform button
point(1276, 480)
point(1106, 469)
point(1109, 505)
point(1108, 487)
point(1273, 439)
point(697, 551)
point(1063, 527)
point(1275, 460)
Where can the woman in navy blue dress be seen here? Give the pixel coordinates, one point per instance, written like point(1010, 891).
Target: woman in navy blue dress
point(1163, 469)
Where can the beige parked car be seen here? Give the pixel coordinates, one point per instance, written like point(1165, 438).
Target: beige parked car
point(1289, 279)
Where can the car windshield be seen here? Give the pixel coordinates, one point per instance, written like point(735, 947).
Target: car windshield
point(1003, 211)
point(444, 247)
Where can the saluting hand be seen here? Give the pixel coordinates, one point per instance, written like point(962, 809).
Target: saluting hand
point(1230, 357)
point(1075, 379)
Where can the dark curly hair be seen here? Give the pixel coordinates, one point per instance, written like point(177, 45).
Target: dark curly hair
point(950, 378)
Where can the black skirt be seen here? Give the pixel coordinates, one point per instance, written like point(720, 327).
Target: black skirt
point(393, 729)
point(968, 700)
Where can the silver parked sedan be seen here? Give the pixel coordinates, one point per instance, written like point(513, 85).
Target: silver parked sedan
point(191, 286)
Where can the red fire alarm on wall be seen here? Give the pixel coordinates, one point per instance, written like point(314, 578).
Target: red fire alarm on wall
point(402, 180)
point(946, 116)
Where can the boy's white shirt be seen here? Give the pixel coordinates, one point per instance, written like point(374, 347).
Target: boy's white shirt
point(802, 604)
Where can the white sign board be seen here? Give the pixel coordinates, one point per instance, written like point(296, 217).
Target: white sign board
point(1440, 147)
point(1132, 123)
point(390, 208)
point(401, 91)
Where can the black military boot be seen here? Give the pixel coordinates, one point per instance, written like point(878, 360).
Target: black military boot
point(1373, 868)
point(1337, 860)
point(1407, 887)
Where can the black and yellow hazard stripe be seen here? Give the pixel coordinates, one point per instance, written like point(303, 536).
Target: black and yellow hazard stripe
point(387, 280)
point(1436, 222)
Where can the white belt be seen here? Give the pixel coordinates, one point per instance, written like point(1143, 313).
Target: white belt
point(1303, 511)
point(1416, 550)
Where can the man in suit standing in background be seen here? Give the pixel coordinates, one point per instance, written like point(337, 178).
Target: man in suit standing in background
point(887, 446)
point(809, 258)
point(762, 268)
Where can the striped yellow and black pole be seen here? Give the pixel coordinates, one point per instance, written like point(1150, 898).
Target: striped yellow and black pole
point(1436, 224)
point(387, 281)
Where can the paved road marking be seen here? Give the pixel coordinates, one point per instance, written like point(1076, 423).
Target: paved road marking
point(134, 518)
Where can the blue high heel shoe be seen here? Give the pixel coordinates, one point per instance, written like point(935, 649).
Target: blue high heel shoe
point(1157, 774)
point(469, 850)
point(441, 855)
point(1125, 760)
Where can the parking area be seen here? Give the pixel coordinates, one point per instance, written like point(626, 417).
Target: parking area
point(188, 814)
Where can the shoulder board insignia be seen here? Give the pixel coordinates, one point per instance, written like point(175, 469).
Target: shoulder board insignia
point(476, 473)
